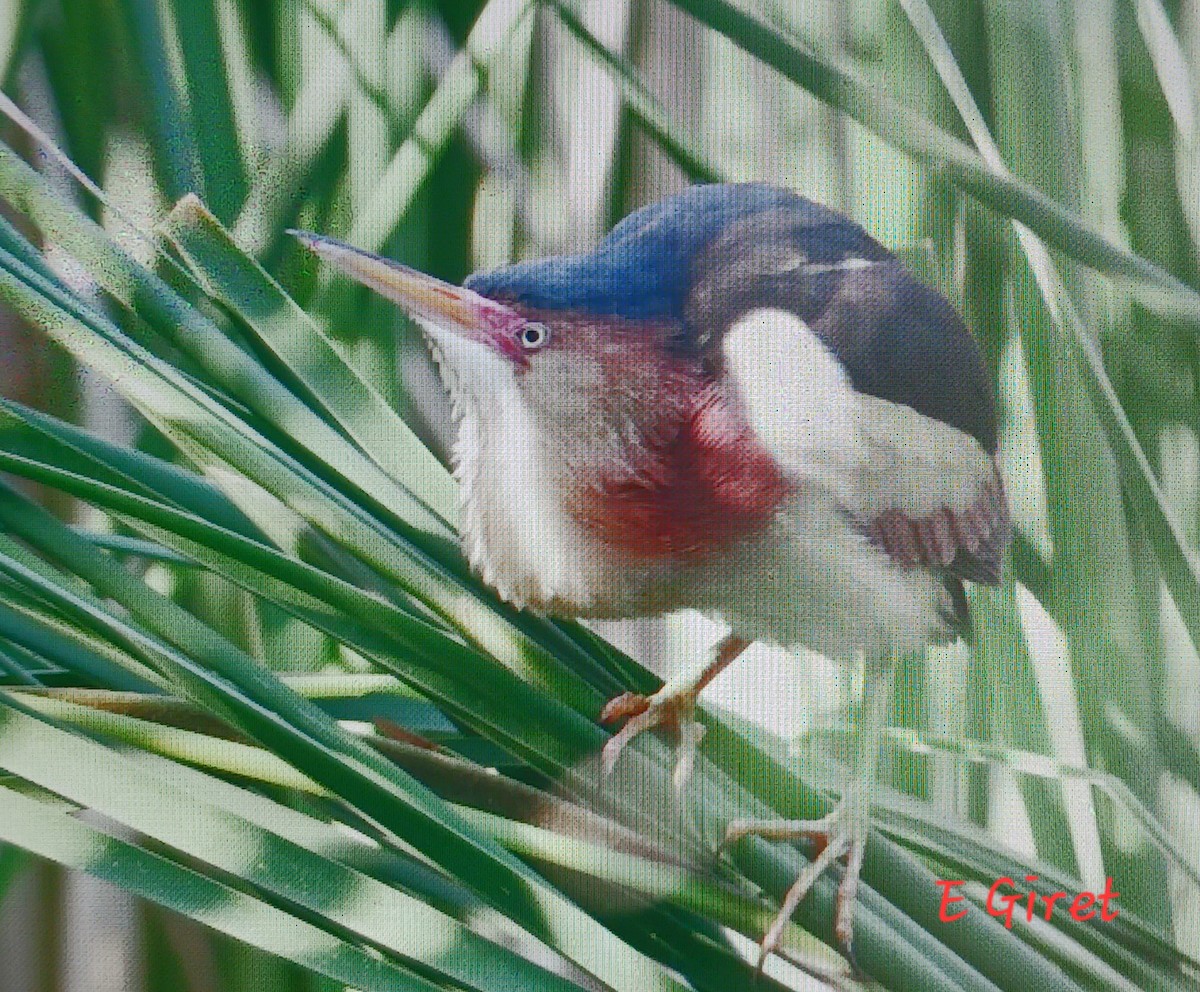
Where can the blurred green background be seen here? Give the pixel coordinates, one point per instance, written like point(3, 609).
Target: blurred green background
point(205, 487)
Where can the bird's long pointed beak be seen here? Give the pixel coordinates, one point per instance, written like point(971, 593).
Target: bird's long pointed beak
point(425, 298)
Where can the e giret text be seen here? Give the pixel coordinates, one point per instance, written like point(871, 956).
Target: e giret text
point(1003, 904)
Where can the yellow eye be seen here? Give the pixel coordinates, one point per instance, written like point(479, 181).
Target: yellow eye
point(534, 336)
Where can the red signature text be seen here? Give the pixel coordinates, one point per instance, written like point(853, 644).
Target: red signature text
point(1004, 904)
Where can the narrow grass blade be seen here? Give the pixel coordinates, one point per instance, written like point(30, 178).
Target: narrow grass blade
point(1171, 65)
point(12, 672)
point(24, 431)
point(230, 367)
point(87, 658)
point(219, 440)
point(459, 87)
point(1018, 715)
point(1039, 766)
point(175, 151)
point(639, 101)
point(1086, 517)
point(261, 706)
point(210, 102)
point(474, 688)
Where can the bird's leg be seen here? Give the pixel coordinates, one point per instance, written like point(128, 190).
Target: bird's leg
point(842, 832)
point(673, 705)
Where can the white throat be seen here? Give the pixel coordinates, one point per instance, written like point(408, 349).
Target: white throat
point(515, 533)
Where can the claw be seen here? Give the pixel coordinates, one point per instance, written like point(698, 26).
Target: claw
point(814, 830)
point(847, 896)
point(624, 706)
point(645, 712)
point(836, 838)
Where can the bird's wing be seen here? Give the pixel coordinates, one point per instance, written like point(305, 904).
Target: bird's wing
point(925, 491)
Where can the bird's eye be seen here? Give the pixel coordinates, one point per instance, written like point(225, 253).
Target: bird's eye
point(534, 336)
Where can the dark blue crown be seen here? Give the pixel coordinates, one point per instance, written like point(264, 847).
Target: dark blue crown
point(642, 270)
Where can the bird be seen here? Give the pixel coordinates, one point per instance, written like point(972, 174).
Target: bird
point(737, 402)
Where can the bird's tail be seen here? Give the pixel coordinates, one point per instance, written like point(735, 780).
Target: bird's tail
point(957, 611)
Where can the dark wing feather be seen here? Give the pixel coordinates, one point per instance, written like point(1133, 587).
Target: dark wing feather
point(967, 537)
point(920, 472)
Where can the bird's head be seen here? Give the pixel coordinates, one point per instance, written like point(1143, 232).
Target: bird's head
point(572, 374)
point(564, 418)
point(595, 348)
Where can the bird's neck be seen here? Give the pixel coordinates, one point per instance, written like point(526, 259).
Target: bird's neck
point(698, 481)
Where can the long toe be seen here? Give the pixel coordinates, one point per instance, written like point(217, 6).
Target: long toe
point(847, 897)
point(818, 830)
point(624, 706)
point(842, 833)
point(617, 743)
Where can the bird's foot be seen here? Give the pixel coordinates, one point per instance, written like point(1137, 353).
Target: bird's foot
point(674, 705)
point(675, 708)
point(843, 833)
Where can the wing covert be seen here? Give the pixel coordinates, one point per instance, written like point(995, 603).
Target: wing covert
point(925, 491)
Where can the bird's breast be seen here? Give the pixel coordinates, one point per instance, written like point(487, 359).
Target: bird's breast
point(704, 485)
